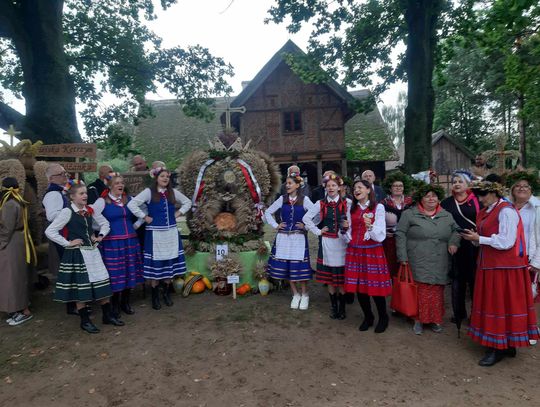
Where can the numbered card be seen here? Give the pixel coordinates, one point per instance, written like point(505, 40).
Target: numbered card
point(222, 250)
point(234, 279)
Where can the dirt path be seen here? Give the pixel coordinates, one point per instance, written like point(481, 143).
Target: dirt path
point(211, 351)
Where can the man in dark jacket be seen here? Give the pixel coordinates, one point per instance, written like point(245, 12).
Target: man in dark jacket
point(369, 176)
point(305, 189)
point(96, 188)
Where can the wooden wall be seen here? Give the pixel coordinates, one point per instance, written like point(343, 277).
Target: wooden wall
point(322, 118)
point(447, 157)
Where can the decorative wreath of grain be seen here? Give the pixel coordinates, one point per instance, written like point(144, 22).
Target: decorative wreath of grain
point(211, 202)
point(13, 168)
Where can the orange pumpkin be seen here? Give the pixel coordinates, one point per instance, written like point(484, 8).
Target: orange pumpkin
point(198, 287)
point(243, 289)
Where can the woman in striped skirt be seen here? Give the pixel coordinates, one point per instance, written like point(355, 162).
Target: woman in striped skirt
point(366, 270)
point(163, 251)
point(120, 248)
point(82, 276)
point(330, 213)
point(289, 259)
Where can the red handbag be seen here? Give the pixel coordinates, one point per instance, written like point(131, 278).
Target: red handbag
point(405, 292)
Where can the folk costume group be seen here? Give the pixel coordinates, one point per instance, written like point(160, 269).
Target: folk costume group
point(101, 258)
point(481, 232)
point(363, 240)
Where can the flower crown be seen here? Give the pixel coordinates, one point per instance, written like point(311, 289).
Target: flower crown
point(72, 182)
point(154, 172)
point(488, 186)
point(112, 175)
point(333, 177)
point(297, 177)
point(463, 174)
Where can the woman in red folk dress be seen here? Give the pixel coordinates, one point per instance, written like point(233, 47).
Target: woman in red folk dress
point(366, 270)
point(503, 316)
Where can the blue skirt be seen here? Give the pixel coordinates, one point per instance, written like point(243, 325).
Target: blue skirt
point(162, 269)
point(123, 259)
point(292, 270)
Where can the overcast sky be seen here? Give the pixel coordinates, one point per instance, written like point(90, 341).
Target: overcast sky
point(234, 31)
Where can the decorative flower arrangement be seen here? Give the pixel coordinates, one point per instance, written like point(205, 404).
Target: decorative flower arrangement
point(260, 271)
point(224, 268)
point(262, 250)
point(154, 172)
point(333, 177)
point(189, 248)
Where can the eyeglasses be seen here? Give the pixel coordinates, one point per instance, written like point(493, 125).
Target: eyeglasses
point(521, 186)
point(60, 174)
point(397, 186)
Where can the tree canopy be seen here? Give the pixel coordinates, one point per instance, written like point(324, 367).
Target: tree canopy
point(57, 53)
point(488, 78)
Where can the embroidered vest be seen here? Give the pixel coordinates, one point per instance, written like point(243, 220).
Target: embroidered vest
point(79, 227)
point(359, 229)
point(291, 214)
point(491, 258)
point(331, 215)
point(119, 218)
point(162, 213)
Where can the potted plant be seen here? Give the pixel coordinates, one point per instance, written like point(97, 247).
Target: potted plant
point(220, 270)
point(261, 274)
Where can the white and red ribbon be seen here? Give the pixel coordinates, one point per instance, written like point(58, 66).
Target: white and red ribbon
point(253, 185)
point(199, 185)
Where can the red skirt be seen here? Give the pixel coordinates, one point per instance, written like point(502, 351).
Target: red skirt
point(430, 303)
point(366, 270)
point(389, 245)
point(503, 311)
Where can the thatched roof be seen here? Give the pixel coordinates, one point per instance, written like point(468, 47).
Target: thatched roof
point(366, 135)
point(170, 135)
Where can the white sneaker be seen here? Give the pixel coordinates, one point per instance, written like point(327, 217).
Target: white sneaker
point(20, 318)
point(295, 301)
point(304, 302)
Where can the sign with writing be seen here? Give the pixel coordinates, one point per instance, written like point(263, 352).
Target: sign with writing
point(233, 279)
point(135, 182)
point(76, 150)
point(74, 167)
point(222, 250)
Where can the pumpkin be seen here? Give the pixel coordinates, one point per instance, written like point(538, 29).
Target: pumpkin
point(207, 283)
point(198, 287)
point(243, 289)
point(178, 284)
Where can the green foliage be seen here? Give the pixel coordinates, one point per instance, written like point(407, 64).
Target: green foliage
point(111, 52)
point(221, 155)
point(307, 68)
point(485, 70)
point(117, 141)
point(461, 98)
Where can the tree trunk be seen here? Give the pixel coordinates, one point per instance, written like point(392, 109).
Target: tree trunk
point(421, 17)
point(48, 88)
